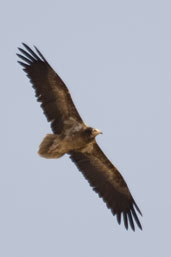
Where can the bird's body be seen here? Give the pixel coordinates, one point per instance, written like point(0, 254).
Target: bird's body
point(76, 139)
point(72, 136)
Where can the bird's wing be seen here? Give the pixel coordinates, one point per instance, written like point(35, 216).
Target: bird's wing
point(50, 90)
point(108, 183)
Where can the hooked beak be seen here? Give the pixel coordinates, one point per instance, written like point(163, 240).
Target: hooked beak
point(97, 132)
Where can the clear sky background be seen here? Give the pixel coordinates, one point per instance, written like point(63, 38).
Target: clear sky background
point(115, 57)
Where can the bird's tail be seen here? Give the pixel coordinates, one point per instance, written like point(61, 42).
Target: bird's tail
point(50, 147)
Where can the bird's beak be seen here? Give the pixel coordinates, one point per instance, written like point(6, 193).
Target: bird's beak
point(97, 132)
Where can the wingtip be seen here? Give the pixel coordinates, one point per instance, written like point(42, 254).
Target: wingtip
point(23, 64)
point(125, 220)
point(137, 208)
point(131, 222)
point(40, 54)
point(24, 44)
point(133, 212)
point(118, 216)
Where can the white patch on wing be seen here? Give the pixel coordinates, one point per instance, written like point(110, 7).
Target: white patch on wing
point(78, 127)
point(71, 126)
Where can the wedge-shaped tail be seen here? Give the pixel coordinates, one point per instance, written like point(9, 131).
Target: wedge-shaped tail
point(50, 147)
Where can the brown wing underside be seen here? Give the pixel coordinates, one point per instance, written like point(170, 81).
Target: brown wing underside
point(108, 183)
point(50, 90)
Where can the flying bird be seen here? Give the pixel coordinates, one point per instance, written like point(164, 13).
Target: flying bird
point(73, 137)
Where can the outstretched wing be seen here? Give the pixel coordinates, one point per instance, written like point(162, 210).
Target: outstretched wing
point(108, 183)
point(50, 90)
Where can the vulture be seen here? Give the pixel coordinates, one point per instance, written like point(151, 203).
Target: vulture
point(73, 137)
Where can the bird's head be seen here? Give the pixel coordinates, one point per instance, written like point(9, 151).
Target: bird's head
point(92, 132)
point(96, 132)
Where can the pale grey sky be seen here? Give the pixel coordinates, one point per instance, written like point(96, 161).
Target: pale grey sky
point(115, 57)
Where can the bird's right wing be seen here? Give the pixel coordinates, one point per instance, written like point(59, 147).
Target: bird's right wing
point(50, 90)
point(107, 182)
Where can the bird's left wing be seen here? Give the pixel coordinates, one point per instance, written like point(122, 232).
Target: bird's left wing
point(108, 183)
point(50, 90)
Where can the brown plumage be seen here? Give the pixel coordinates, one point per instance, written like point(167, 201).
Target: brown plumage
point(74, 137)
